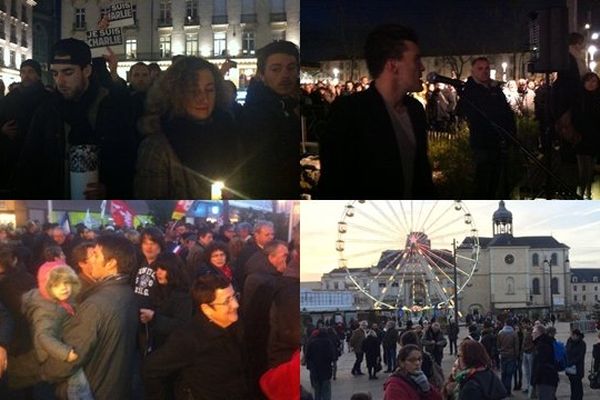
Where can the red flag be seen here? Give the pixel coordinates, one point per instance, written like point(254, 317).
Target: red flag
point(121, 213)
point(181, 208)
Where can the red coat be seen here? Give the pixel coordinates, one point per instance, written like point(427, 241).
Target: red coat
point(398, 388)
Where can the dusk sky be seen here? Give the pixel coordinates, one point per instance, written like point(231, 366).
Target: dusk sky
point(332, 28)
point(574, 223)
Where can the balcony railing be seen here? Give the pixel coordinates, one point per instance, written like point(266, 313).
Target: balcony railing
point(219, 19)
point(192, 20)
point(278, 17)
point(78, 26)
point(165, 21)
point(248, 19)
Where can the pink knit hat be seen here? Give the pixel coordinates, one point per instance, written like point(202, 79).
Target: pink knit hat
point(42, 280)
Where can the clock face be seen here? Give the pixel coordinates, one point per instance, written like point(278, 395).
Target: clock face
point(509, 259)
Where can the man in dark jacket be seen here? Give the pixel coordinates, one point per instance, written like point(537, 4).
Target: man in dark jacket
point(319, 355)
point(259, 292)
point(206, 353)
point(380, 134)
point(103, 331)
point(271, 116)
point(16, 112)
point(490, 120)
point(544, 374)
point(576, 349)
point(82, 138)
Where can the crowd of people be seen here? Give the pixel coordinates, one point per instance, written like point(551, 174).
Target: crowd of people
point(498, 356)
point(179, 312)
point(399, 109)
point(164, 134)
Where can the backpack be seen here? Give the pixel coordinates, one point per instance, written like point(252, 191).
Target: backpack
point(560, 355)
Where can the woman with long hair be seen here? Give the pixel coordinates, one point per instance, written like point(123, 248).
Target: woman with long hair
point(191, 140)
point(171, 301)
point(216, 262)
point(409, 381)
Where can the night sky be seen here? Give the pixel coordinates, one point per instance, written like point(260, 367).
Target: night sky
point(333, 29)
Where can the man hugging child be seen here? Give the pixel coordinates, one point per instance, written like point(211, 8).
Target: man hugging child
point(47, 309)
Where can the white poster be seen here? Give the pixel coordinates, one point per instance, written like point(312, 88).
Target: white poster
point(100, 39)
point(119, 14)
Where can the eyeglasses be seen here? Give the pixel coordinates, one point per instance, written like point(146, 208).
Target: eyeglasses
point(228, 300)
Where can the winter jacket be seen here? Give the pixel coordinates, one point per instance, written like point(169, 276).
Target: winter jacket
point(483, 385)
point(103, 334)
point(271, 143)
point(161, 174)
point(172, 309)
point(596, 356)
point(390, 338)
point(7, 326)
point(544, 370)
point(371, 349)
point(12, 287)
point(357, 339)
point(508, 343)
point(360, 149)
point(320, 353)
point(47, 318)
point(400, 387)
point(207, 359)
point(492, 102)
point(576, 355)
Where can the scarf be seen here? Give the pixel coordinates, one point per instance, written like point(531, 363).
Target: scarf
point(463, 376)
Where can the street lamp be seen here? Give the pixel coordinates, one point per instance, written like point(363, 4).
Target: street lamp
point(595, 35)
point(549, 265)
point(504, 67)
point(591, 51)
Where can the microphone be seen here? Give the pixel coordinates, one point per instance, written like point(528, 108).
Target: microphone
point(432, 77)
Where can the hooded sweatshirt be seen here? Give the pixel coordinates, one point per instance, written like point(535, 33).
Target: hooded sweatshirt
point(46, 316)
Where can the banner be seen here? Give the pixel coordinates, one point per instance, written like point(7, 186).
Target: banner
point(119, 14)
point(100, 39)
point(121, 213)
point(181, 209)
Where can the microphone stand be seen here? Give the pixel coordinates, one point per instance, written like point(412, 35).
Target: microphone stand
point(567, 192)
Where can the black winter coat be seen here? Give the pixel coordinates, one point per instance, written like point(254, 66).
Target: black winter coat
point(7, 326)
point(12, 288)
point(492, 102)
point(205, 359)
point(544, 370)
point(360, 149)
point(272, 144)
point(319, 354)
point(576, 355)
point(482, 385)
point(172, 309)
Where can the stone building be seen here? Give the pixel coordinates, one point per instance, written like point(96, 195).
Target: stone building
point(214, 29)
point(585, 288)
point(15, 37)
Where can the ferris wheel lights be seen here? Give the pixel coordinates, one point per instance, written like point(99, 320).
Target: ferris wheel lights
point(339, 245)
point(349, 210)
point(342, 227)
point(457, 205)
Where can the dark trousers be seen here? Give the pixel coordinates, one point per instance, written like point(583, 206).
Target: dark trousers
point(453, 346)
point(390, 357)
point(576, 387)
point(490, 174)
point(507, 367)
point(359, 359)
point(518, 373)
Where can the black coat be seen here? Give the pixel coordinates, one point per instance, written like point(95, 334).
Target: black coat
point(596, 356)
point(272, 144)
point(12, 288)
point(586, 120)
point(576, 355)
point(205, 359)
point(371, 349)
point(544, 370)
point(320, 353)
point(492, 102)
point(482, 385)
point(7, 326)
point(359, 150)
point(172, 309)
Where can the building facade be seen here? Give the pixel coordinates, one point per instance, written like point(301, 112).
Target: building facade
point(585, 288)
point(213, 29)
point(516, 273)
point(46, 32)
point(16, 39)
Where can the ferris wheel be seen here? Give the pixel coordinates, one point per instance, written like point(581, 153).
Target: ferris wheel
point(399, 253)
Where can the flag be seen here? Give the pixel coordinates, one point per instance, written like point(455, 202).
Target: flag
point(87, 221)
point(121, 213)
point(181, 208)
point(102, 210)
point(65, 222)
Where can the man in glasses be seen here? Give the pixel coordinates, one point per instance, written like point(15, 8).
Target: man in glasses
point(206, 353)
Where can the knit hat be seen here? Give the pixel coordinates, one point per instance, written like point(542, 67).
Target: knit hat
point(33, 64)
point(77, 51)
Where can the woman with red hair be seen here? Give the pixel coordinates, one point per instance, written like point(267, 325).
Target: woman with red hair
point(472, 377)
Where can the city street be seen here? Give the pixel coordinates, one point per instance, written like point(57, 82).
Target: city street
point(346, 384)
